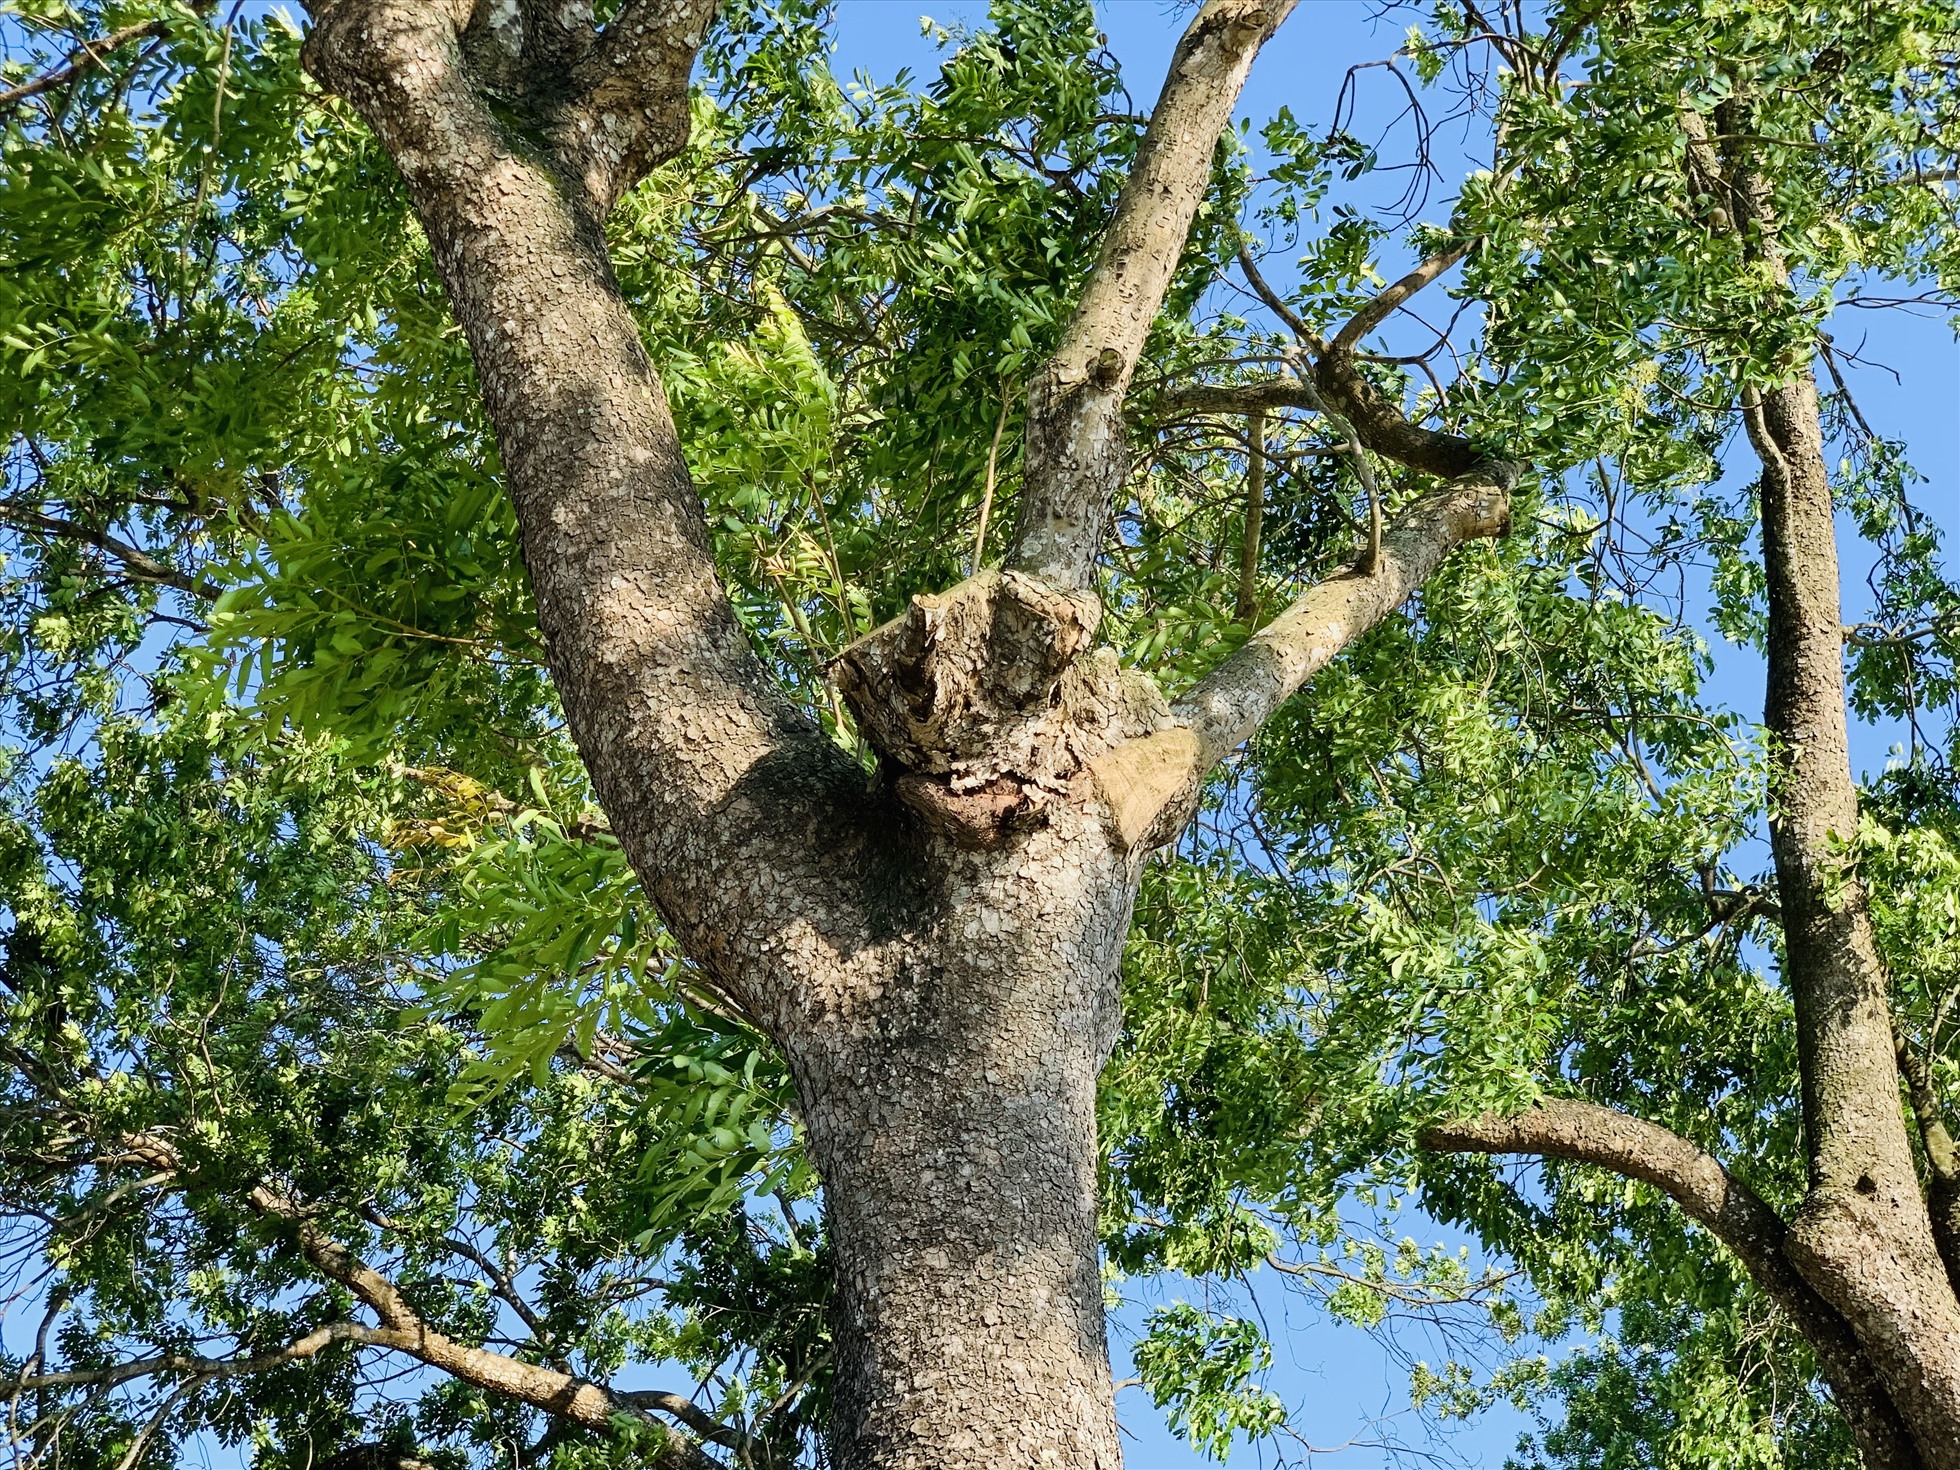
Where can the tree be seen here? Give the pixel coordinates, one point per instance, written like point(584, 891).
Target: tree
point(882, 846)
point(1851, 1227)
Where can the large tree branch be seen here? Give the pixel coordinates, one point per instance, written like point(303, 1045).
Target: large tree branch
point(1077, 456)
point(1149, 784)
point(1385, 429)
point(629, 107)
point(1379, 424)
point(1230, 703)
point(1587, 1133)
point(735, 811)
point(1734, 1214)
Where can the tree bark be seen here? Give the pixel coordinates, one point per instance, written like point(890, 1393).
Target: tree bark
point(956, 1133)
point(1872, 1292)
point(1859, 1269)
point(1587, 1133)
point(1077, 447)
point(1863, 1237)
point(936, 951)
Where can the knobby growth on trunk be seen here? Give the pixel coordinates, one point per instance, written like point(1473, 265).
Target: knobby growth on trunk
point(934, 950)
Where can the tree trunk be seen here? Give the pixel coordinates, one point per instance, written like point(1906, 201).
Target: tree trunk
point(1862, 1238)
point(937, 952)
point(955, 1128)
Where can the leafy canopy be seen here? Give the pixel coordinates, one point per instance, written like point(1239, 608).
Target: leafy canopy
point(301, 872)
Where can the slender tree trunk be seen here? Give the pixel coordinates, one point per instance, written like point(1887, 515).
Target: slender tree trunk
point(1863, 1238)
point(1870, 1288)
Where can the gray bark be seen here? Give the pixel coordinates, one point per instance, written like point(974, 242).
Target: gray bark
point(936, 952)
point(1860, 1267)
point(1863, 1236)
point(1077, 447)
point(955, 1128)
point(1586, 1133)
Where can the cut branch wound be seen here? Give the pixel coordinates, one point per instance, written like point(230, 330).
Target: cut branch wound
point(988, 700)
point(1151, 784)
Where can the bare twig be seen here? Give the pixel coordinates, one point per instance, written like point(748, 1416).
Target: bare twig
point(139, 564)
point(987, 495)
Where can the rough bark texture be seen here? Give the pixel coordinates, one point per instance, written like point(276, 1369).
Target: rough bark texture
point(1586, 1133)
point(1863, 1237)
point(1077, 457)
point(1857, 1268)
point(955, 1128)
point(936, 950)
point(1865, 1267)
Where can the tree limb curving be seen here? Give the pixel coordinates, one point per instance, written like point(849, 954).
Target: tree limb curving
point(582, 1402)
point(1734, 1214)
point(402, 1329)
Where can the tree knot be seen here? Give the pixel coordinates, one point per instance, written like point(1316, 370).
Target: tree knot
point(990, 699)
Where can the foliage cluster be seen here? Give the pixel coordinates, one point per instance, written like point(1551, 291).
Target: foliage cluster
point(302, 873)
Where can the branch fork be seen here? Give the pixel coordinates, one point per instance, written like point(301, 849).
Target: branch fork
point(612, 103)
